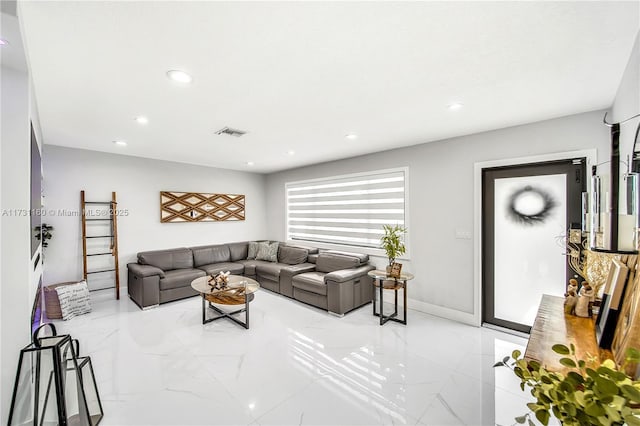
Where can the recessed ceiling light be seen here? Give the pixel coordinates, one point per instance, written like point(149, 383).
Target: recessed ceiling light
point(250, 163)
point(179, 76)
point(3, 42)
point(291, 152)
point(351, 136)
point(455, 105)
point(142, 120)
point(120, 143)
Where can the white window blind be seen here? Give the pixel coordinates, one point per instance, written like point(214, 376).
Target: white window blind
point(347, 210)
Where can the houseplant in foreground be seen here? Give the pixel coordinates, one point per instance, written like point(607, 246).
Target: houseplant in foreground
point(602, 395)
point(392, 242)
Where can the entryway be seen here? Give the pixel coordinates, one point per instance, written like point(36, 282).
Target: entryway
point(527, 210)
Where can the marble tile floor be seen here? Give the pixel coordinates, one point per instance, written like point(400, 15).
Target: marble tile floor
point(296, 365)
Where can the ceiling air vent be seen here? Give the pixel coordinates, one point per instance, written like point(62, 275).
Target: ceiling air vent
point(231, 132)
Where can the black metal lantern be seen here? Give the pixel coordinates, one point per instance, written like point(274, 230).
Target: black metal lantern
point(52, 384)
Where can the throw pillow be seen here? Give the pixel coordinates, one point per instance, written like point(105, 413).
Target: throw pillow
point(268, 252)
point(74, 300)
point(253, 250)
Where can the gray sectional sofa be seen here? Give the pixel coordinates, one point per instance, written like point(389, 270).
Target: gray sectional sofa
point(331, 280)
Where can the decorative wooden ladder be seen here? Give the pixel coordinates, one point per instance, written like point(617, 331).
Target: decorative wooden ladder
point(111, 219)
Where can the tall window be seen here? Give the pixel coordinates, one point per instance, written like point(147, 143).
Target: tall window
point(348, 210)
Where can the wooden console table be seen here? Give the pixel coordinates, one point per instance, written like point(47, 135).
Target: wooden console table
point(553, 326)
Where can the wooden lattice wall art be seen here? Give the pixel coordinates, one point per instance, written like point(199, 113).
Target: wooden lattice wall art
point(198, 207)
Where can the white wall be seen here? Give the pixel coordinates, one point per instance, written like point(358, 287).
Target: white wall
point(625, 105)
point(15, 249)
point(137, 182)
point(441, 199)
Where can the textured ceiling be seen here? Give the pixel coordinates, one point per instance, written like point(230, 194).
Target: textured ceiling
point(300, 75)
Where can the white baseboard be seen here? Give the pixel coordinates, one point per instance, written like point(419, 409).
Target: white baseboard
point(441, 311)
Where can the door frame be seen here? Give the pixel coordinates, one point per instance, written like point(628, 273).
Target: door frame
point(592, 158)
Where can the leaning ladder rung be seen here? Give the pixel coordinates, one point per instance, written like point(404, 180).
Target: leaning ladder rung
point(100, 271)
point(112, 219)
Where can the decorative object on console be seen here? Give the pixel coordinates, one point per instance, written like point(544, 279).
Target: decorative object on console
point(596, 268)
point(392, 243)
point(611, 301)
point(627, 332)
point(585, 300)
point(571, 297)
point(200, 207)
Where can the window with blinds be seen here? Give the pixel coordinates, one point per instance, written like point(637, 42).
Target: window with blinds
point(347, 210)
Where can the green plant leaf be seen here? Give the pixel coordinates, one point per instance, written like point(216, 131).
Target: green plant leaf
point(606, 386)
point(515, 354)
point(560, 349)
point(568, 362)
point(521, 419)
point(633, 355)
point(533, 406)
point(594, 409)
point(543, 417)
point(632, 420)
point(531, 423)
point(499, 364)
point(630, 392)
point(575, 378)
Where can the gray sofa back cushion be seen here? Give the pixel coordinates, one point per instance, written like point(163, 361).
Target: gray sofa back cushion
point(292, 255)
point(239, 251)
point(362, 258)
point(332, 262)
point(310, 250)
point(211, 254)
point(167, 260)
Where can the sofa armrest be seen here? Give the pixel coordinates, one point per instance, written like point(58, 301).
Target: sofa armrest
point(344, 275)
point(287, 273)
point(145, 270)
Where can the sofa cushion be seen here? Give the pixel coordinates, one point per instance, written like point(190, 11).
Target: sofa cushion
point(310, 250)
point(310, 281)
point(362, 257)
point(333, 262)
point(179, 278)
point(292, 255)
point(251, 264)
point(207, 255)
point(252, 250)
point(215, 268)
point(270, 270)
point(180, 258)
point(239, 251)
point(267, 251)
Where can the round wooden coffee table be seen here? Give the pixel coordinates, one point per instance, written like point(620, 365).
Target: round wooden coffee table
point(239, 291)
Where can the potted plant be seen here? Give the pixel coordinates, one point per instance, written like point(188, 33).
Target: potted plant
point(602, 395)
point(392, 243)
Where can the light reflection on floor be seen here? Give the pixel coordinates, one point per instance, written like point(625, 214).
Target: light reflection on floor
point(295, 365)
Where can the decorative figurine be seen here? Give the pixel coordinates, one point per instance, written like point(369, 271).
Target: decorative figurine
point(570, 300)
point(571, 297)
point(585, 300)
